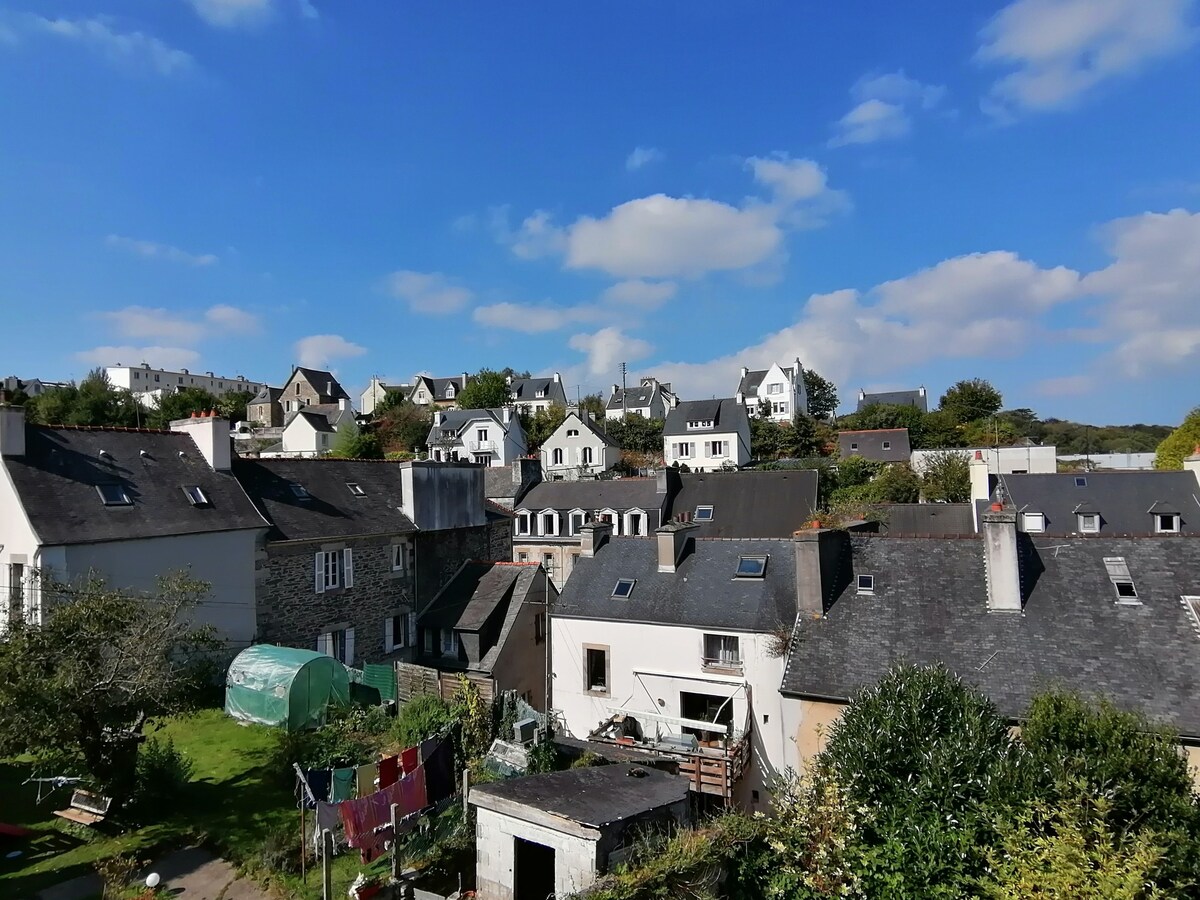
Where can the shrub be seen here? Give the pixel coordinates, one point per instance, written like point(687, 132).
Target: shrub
point(421, 717)
point(115, 874)
point(162, 773)
point(280, 851)
point(587, 760)
point(543, 757)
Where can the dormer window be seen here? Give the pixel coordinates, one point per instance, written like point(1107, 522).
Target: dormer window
point(356, 489)
point(700, 423)
point(751, 567)
point(704, 513)
point(541, 393)
point(523, 522)
point(1033, 522)
point(113, 495)
point(1166, 523)
point(299, 491)
point(623, 588)
point(449, 392)
point(195, 495)
point(1089, 523)
point(866, 584)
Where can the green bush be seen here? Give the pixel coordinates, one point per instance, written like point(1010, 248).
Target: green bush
point(280, 851)
point(162, 773)
point(421, 717)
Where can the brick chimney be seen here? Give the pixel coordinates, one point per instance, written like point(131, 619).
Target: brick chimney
point(211, 435)
point(672, 541)
point(1001, 562)
point(593, 536)
point(12, 429)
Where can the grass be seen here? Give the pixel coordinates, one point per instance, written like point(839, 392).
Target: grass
point(234, 801)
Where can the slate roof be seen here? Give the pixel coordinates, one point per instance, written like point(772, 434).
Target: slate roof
point(591, 425)
point(896, 398)
point(267, 394)
point(870, 444)
point(930, 606)
point(320, 380)
point(724, 415)
point(927, 519)
point(748, 504)
point(331, 510)
point(56, 483)
point(595, 796)
point(437, 387)
point(317, 420)
point(748, 386)
point(701, 593)
point(1123, 499)
point(618, 494)
point(458, 419)
point(525, 390)
point(637, 396)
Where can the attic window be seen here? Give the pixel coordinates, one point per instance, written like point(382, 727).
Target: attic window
point(299, 491)
point(887, 445)
point(1033, 522)
point(701, 423)
point(1080, 481)
point(195, 495)
point(1193, 606)
point(113, 495)
point(1118, 573)
point(572, 432)
point(866, 584)
point(1126, 590)
point(355, 489)
point(751, 567)
point(1089, 523)
point(704, 513)
point(1166, 523)
point(623, 588)
point(854, 445)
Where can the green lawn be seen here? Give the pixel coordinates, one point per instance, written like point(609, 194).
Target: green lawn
point(232, 804)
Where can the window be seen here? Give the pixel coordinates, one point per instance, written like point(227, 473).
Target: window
point(523, 557)
point(549, 524)
point(450, 392)
point(548, 561)
point(299, 491)
point(866, 584)
point(623, 588)
point(887, 445)
point(716, 449)
point(683, 450)
point(113, 495)
point(1118, 573)
point(751, 567)
point(395, 631)
point(156, 377)
point(428, 636)
point(854, 445)
point(449, 642)
point(1080, 481)
point(481, 435)
point(595, 669)
point(338, 643)
point(633, 523)
point(586, 456)
point(334, 569)
point(576, 522)
point(704, 513)
point(539, 627)
point(557, 457)
point(1166, 523)
point(1193, 606)
point(1033, 522)
point(572, 432)
point(523, 523)
point(1126, 590)
point(722, 651)
point(297, 389)
point(402, 558)
point(195, 495)
point(779, 407)
point(700, 423)
point(356, 489)
point(1089, 523)
point(775, 387)
point(16, 591)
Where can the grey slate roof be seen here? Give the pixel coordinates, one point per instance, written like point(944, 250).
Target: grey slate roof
point(927, 519)
point(870, 444)
point(896, 398)
point(333, 511)
point(317, 420)
point(595, 795)
point(1123, 499)
point(748, 386)
point(437, 387)
point(930, 606)
point(701, 593)
point(457, 419)
point(748, 504)
point(525, 390)
point(618, 494)
point(596, 428)
point(636, 396)
point(724, 414)
point(266, 395)
point(321, 382)
point(56, 483)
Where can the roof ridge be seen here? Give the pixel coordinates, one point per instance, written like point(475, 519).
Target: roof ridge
point(117, 428)
point(868, 430)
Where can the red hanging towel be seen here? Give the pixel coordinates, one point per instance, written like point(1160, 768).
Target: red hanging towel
point(389, 771)
point(408, 760)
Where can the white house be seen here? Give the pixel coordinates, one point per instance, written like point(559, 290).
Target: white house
point(442, 392)
point(578, 447)
point(708, 435)
point(313, 430)
point(531, 395)
point(129, 506)
point(672, 642)
point(145, 380)
point(1000, 460)
point(376, 390)
point(651, 399)
point(493, 437)
point(778, 392)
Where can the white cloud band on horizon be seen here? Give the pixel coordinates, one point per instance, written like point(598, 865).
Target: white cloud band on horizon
point(127, 49)
point(431, 293)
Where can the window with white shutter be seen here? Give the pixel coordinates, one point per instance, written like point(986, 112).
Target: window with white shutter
point(348, 658)
point(389, 636)
point(319, 576)
point(348, 565)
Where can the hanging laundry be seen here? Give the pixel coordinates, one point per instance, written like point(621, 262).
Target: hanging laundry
point(439, 769)
point(318, 782)
point(389, 771)
point(342, 785)
point(327, 818)
point(409, 761)
point(366, 778)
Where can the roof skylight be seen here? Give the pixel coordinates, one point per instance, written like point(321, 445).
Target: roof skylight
point(751, 567)
point(704, 513)
point(113, 495)
point(623, 588)
point(1080, 481)
point(1118, 573)
point(356, 489)
point(299, 491)
point(195, 495)
point(866, 584)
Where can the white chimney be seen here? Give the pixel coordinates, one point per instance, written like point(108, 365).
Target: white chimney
point(981, 483)
point(344, 403)
point(616, 387)
point(672, 540)
point(464, 379)
point(1002, 567)
point(211, 435)
point(12, 430)
point(508, 380)
point(438, 416)
point(557, 378)
point(1192, 463)
point(745, 371)
point(507, 414)
point(740, 398)
point(593, 536)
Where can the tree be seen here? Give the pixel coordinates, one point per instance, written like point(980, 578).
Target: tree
point(594, 404)
point(896, 483)
point(888, 415)
point(543, 423)
point(766, 438)
point(351, 443)
point(947, 476)
point(973, 399)
point(1180, 444)
point(822, 395)
point(403, 427)
point(94, 401)
point(79, 688)
point(637, 434)
point(1025, 423)
point(488, 390)
point(939, 430)
point(803, 439)
point(233, 405)
point(180, 405)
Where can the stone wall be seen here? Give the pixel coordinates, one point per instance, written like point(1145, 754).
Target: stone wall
point(441, 553)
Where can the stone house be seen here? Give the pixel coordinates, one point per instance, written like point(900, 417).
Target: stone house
point(265, 408)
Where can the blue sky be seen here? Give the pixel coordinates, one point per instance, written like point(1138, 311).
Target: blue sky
point(1005, 191)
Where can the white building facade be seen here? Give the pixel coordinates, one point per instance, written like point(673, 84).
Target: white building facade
point(1000, 460)
point(777, 392)
point(145, 380)
point(491, 437)
point(578, 448)
point(708, 435)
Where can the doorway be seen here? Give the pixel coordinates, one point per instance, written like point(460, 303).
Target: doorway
point(706, 708)
point(533, 870)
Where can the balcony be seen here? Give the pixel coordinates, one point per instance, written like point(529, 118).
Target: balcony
point(481, 446)
point(725, 664)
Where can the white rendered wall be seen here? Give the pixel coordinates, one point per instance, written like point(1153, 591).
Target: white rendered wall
point(574, 857)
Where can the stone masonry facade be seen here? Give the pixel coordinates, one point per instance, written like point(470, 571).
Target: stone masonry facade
point(441, 553)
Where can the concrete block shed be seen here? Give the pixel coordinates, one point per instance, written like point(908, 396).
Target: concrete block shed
point(555, 834)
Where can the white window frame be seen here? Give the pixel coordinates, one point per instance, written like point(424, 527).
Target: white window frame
point(728, 653)
point(1174, 517)
point(524, 523)
point(864, 585)
point(628, 523)
point(1082, 519)
point(391, 640)
point(1033, 522)
point(887, 445)
point(573, 528)
point(327, 643)
point(196, 495)
point(614, 519)
point(775, 387)
point(700, 518)
point(541, 523)
point(585, 456)
point(556, 456)
point(1192, 603)
point(604, 689)
point(402, 557)
point(336, 563)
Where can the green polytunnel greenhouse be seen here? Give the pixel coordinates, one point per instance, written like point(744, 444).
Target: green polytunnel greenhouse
point(284, 686)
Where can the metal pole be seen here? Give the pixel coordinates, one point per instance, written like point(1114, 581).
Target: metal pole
point(624, 391)
point(395, 841)
point(466, 788)
point(326, 865)
point(303, 867)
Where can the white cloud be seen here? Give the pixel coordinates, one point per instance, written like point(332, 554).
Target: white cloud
point(1061, 49)
point(645, 295)
point(308, 10)
point(607, 348)
point(643, 156)
point(129, 49)
point(234, 13)
point(158, 357)
point(428, 292)
point(538, 236)
point(320, 351)
point(154, 250)
point(883, 108)
point(1065, 386)
point(534, 319)
point(150, 323)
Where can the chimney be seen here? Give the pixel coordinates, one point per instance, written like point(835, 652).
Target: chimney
point(1001, 563)
point(12, 429)
point(464, 379)
point(329, 388)
point(557, 378)
point(508, 380)
point(1192, 463)
point(740, 398)
point(616, 387)
point(506, 414)
point(344, 403)
point(593, 536)
point(211, 435)
point(672, 541)
point(745, 372)
point(981, 483)
point(438, 416)
point(819, 552)
point(862, 395)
